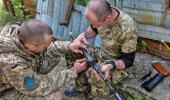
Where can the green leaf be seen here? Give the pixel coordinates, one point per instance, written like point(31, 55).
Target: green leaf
point(129, 98)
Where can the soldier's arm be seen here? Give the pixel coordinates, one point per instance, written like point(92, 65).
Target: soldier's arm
point(21, 76)
point(128, 48)
point(59, 47)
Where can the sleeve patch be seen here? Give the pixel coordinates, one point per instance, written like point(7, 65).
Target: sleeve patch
point(29, 82)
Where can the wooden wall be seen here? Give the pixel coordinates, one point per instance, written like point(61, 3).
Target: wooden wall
point(152, 16)
point(53, 11)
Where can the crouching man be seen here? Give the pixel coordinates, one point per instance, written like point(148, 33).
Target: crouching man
point(29, 60)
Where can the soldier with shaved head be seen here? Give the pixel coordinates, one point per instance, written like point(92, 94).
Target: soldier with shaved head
point(30, 62)
point(118, 32)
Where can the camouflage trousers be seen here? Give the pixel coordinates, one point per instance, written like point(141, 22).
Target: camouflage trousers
point(99, 89)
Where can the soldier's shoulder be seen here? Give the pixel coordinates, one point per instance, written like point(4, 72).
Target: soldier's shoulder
point(8, 34)
point(14, 23)
point(10, 25)
point(127, 22)
point(10, 28)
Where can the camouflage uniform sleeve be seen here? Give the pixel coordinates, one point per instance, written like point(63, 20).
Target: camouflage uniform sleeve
point(62, 48)
point(21, 76)
point(130, 43)
point(129, 36)
point(59, 47)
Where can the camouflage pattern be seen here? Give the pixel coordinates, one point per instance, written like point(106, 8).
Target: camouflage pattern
point(119, 37)
point(32, 74)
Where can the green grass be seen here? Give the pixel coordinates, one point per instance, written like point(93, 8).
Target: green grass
point(5, 16)
point(21, 13)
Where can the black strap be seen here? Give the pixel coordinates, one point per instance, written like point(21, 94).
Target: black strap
point(94, 29)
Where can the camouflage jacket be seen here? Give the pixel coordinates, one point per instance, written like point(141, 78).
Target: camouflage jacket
point(30, 73)
point(120, 36)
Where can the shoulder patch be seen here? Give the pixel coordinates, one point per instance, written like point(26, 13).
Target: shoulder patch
point(29, 82)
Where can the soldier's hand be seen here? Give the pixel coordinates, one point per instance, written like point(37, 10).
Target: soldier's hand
point(96, 75)
point(75, 47)
point(79, 42)
point(80, 65)
point(106, 69)
point(81, 38)
point(120, 64)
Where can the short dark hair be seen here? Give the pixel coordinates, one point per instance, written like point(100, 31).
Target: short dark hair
point(33, 31)
point(101, 8)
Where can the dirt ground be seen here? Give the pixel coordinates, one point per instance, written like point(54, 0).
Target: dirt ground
point(142, 66)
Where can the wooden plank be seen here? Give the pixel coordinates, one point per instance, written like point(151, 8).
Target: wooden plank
point(38, 11)
point(118, 3)
point(154, 32)
point(49, 15)
point(55, 23)
point(44, 10)
point(149, 17)
point(68, 29)
point(62, 12)
point(156, 1)
point(144, 5)
point(84, 22)
point(76, 22)
point(112, 2)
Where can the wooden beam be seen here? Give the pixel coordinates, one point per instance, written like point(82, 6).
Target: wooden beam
point(68, 13)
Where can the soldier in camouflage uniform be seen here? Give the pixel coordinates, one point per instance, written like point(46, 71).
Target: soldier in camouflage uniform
point(30, 62)
point(118, 32)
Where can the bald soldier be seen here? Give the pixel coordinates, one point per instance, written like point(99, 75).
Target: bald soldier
point(119, 38)
point(29, 62)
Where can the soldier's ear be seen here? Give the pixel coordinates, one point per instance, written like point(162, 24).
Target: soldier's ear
point(30, 46)
point(108, 18)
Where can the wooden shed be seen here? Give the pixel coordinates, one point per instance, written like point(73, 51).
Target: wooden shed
point(152, 16)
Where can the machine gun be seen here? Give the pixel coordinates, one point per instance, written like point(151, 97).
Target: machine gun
point(97, 68)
